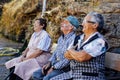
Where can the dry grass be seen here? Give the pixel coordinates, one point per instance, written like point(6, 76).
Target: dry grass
point(15, 18)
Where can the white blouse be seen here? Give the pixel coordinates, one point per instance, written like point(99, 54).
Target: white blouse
point(40, 40)
point(94, 48)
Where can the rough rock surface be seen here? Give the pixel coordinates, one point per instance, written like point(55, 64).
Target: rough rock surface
point(16, 19)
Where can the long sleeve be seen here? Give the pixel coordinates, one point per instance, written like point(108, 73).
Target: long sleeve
point(58, 60)
point(53, 58)
point(61, 64)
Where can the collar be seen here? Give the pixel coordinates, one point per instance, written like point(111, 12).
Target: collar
point(68, 35)
point(82, 37)
point(36, 34)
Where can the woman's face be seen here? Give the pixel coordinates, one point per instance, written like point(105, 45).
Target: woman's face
point(66, 27)
point(88, 25)
point(37, 26)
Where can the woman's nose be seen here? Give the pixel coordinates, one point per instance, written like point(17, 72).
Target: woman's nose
point(82, 24)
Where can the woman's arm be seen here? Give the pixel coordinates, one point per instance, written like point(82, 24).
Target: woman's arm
point(24, 53)
point(34, 55)
point(68, 56)
point(80, 56)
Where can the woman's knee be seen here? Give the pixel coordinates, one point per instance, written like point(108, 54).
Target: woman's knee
point(47, 78)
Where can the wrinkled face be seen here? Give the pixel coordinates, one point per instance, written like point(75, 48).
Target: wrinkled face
point(88, 25)
point(37, 26)
point(66, 27)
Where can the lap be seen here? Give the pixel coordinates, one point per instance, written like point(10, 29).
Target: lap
point(13, 62)
point(26, 64)
point(37, 74)
point(43, 58)
point(53, 74)
point(63, 76)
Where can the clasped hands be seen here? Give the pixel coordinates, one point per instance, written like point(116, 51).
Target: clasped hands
point(46, 69)
point(68, 54)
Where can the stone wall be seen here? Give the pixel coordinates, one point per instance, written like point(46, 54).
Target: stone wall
point(2, 2)
point(17, 16)
point(79, 8)
point(58, 9)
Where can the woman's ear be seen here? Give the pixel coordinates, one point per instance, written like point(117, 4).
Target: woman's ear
point(72, 27)
point(43, 26)
point(95, 25)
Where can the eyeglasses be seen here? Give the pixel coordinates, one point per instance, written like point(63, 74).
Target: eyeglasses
point(91, 22)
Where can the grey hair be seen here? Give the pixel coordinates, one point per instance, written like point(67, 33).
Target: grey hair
point(74, 28)
point(97, 18)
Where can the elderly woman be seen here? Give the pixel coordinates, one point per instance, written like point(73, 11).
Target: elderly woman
point(88, 57)
point(58, 63)
point(35, 55)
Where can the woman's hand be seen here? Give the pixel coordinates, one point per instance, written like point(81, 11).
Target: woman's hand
point(46, 67)
point(67, 55)
point(25, 51)
point(23, 58)
point(50, 70)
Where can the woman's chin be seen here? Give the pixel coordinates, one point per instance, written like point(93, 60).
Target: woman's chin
point(34, 29)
